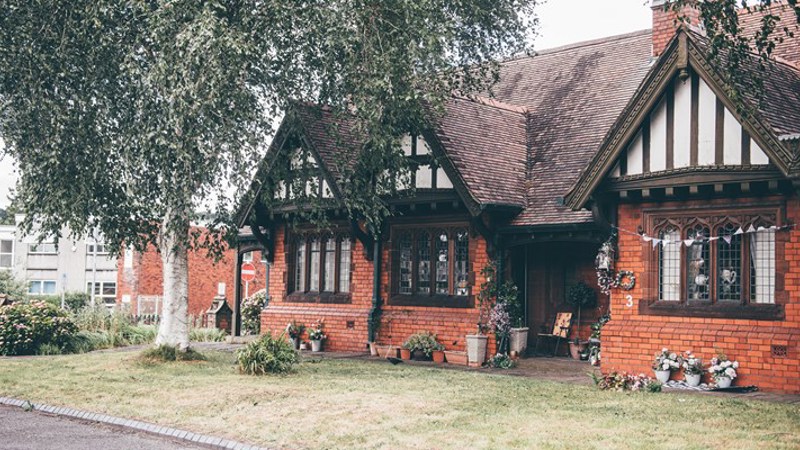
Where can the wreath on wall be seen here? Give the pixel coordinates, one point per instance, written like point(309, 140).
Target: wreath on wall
point(620, 282)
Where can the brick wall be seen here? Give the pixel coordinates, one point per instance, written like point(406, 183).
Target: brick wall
point(630, 339)
point(346, 324)
point(665, 23)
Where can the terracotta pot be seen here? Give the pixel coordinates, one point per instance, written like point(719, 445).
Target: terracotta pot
point(373, 349)
point(438, 356)
point(456, 358)
point(405, 354)
point(576, 349)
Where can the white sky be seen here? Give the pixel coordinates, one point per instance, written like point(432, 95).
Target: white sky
point(561, 22)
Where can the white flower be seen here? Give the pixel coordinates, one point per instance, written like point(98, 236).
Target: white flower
point(673, 356)
point(730, 372)
point(665, 366)
point(726, 364)
point(664, 350)
point(736, 364)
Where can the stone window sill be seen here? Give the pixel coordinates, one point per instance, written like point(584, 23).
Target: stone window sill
point(434, 301)
point(709, 310)
point(320, 297)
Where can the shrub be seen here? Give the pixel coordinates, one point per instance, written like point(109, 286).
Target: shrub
point(52, 300)
point(75, 301)
point(267, 355)
point(49, 349)
point(251, 312)
point(24, 327)
point(425, 342)
point(168, 353)
point(501, 361)
point(622, 381)
point(15, 290)
point(139, 334)
point(207, 335)
point(87, 341)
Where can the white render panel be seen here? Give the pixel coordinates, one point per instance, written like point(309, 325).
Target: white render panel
point(615, 172)
point(683, 124)
point(732, 144)
point(658, 137)
point(442, 180)
point(424, 178)
point(706, 121)
point(326, 190)
point(635, 155)
point(422, 146)
point(757, 156)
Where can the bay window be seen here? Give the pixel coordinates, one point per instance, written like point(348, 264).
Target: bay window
point(320, 268)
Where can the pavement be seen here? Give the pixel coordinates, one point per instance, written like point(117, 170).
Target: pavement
point(20, 429)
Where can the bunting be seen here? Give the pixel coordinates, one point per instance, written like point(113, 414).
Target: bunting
point(728, 238)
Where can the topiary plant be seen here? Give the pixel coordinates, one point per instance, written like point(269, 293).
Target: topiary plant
point(581, 296)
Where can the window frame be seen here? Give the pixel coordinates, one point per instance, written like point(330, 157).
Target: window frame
point(320, 295)
point(101, 296)
point(41, 287)
point(685, 219)
point(9, 254)
point(33, 249)
point(431, 298)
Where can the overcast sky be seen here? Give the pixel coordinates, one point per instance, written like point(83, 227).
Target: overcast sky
point(561, 22)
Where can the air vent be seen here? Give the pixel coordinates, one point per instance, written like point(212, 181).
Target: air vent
point(779, 351)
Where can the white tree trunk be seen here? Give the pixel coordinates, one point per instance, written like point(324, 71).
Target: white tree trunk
point(174, 327)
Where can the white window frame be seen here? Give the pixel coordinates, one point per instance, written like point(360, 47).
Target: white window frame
point(41, 287)
point(92, 246)
point(34, 250)
point(247, 257)
point(102, 297)
point(11, 266)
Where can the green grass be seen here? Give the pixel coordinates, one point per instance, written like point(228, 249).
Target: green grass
point(367, 404)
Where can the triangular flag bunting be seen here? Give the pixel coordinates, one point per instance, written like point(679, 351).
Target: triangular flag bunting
point(760, 229)
point(647, 238)
point(727, 239)
point(739, 231)
point(712, 239)
point(751, 229)
point(656, 242)
point(688, 242)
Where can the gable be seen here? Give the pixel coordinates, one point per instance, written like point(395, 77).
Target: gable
point(427, 174)
point(301, 175)
point(689, 127)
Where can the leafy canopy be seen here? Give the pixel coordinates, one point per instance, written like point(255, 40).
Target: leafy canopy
point(129, 116)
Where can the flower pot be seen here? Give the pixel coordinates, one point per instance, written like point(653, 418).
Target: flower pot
point(723, 382)
point(476, 349)
point(303, 346)
point(373, 349)
point(456, 358)
point(663, 375)
point(405, 354)
point(519, 340)
point(576, 349)
point(693, 379)
point(419, 355)
point(316, 345)
point(438, 356)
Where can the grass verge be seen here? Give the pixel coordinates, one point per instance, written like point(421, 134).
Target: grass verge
point(365, 404)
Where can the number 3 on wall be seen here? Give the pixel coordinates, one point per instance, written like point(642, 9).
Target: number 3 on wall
point(629, 301)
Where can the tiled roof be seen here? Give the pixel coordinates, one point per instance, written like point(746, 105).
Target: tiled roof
point(789, 49)
point(485, 141)
point(573, 94)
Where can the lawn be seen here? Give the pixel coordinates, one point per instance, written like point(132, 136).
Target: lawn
point(372, 404)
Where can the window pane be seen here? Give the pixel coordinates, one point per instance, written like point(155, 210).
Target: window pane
point(247, 257)
point(5, 261)
point(424, 261)
point(762, 267)
point(314, 266)
point(697, 264)
point(110, 289)
point(729, 264)
point(330, 264)
point(35, 287)
point(300, 267)
point(669, 265)
point(442, 268)
point(48, 287)
point(6, 246)
point(462, 263)
point(344, 266)
point(404, 247)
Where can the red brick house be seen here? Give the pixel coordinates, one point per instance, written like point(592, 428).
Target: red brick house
point(633, 134)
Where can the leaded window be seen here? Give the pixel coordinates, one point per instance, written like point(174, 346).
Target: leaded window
point(729, 263)
point(431, 262)
point(669, 267)
point(697, 263)
point(322, 264)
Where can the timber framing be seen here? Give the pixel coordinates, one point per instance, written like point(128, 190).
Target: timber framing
point(681, 53)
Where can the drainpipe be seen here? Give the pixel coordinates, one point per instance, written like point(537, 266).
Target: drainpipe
point(375, 310)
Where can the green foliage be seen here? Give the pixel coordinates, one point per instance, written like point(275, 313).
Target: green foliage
point(251, 312)
point(267, 355)
point(501, 361)
point(112, 328)
point(52, 300)
point(15, 289)
point(581, 295)
point(424, 342)
point(49, 349)
point(24, 327)
point(622, 381)
point(75, 301)
point(169, 353)
point(207, 335)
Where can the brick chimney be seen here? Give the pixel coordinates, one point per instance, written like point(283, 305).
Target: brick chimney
point(666, 22)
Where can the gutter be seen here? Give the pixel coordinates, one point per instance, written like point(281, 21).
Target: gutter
point(375, 309)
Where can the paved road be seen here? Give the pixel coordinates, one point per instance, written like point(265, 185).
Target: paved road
point(32, 430)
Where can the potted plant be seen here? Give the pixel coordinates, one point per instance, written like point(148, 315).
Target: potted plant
point(692, 369)
point(294, 330)
point(593, 352)
point(580, 296)
point(478, 342)
point(665, 363)
point(316, 336)
point(422, 345)
point(518, 333)
point(723, 370)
